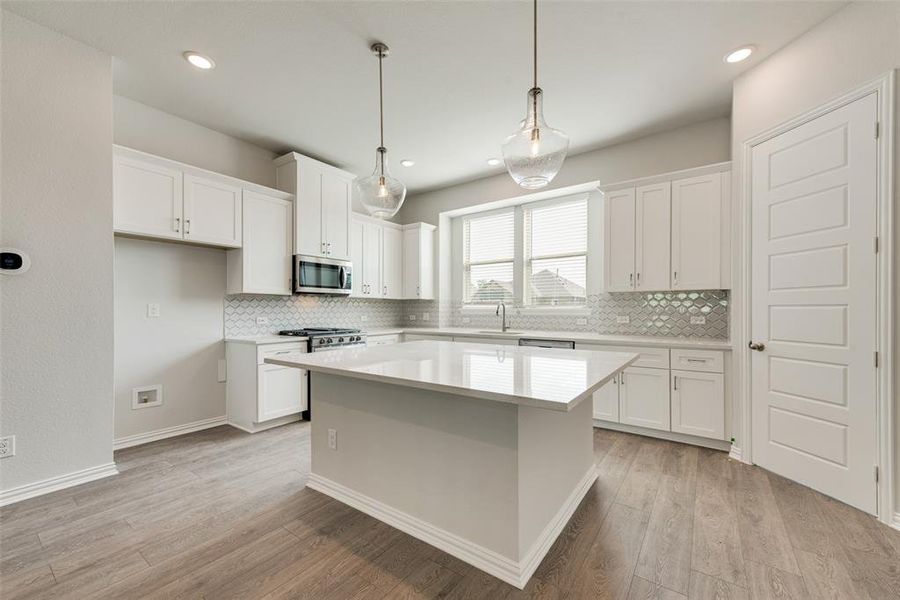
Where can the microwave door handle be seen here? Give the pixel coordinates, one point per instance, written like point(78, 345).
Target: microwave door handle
point(343, 277)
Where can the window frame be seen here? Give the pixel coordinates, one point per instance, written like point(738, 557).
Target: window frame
point(520, 275)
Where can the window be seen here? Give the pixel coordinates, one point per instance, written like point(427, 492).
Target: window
point(489, 258)
point(556, 253)
point(533, 255)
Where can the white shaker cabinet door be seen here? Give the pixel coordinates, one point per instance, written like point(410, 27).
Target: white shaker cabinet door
point(358, 257)
point(266, 247)
point(606, 401)
point(308, 210)
point(696, 233)
point(698, 404)
point(619, 236)
point(644, 398)
point(147, 199)
point(336, 215)
point(281, 391)
point(653, 210)
point(212, 212)
point(372, 262)
point(392, 263)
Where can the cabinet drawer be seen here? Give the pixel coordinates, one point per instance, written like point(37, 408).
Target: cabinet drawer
point(383, 340)
point(273, 350)
point(653, 358)
point(707, 361)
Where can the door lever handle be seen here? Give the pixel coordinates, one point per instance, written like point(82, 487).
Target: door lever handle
point(759, 347)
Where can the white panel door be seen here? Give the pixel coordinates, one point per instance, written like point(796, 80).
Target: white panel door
point(308, 210)
point(697, 233)
point(813, 303)
point(358, 257)
point(267, 225)
point(281, 391)
point(147, 199)
point(644, 398)
point(336, 215)
point(391, 263)
point(606, 401)
point(698, 404)
point(372, 261)
point(212, 212)
point(653, 226)
point(619, 238)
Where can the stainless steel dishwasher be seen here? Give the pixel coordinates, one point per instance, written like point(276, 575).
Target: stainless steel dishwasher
point(547, 343)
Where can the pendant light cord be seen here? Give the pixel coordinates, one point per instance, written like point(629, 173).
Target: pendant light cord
point(535, 43)
point(381, 108)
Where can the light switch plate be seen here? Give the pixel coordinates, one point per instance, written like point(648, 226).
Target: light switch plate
point(332, 439)
point(581, 321)
point(698, 320)
point(412, 317)
point(623, 319)
point(153, 310)
point(7, 446)
point(466, 320)
point(363, 318)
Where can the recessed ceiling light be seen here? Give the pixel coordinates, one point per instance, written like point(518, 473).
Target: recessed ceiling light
point(407, 163)
point(494, 161)
point(739, 54)
point(200, 61)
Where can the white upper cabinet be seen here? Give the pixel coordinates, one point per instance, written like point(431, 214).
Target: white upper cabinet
point(670, 234)
point(392, 262)
point(418, 261)
point(619, 230)
point(322, 205)
point(263, 264)
point(696, 232)
point(161, 198)
point(377, 255)
point(212, 211)
point(652, 228)
point(147, 198)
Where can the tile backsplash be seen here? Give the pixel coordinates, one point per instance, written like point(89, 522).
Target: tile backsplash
point(649, 313)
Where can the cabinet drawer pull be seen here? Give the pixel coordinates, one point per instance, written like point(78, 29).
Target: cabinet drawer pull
point(697, 360)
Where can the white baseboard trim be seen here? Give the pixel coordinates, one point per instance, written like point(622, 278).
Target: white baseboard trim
point(39, 488)
point(896, 522)
point(161, 434)
point(541, 546)
point(672, 436)
point(502, 567)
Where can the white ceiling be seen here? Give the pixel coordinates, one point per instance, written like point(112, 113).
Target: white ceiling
point(300, 76)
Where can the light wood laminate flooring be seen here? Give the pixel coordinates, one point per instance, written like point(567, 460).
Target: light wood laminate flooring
point(223, 514)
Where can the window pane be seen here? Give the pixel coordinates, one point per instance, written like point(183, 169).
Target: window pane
point(557, 229)
point(557, 281)
point(489, 237)
point(489, 284)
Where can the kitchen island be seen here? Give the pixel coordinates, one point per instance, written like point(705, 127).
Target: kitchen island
point(482, 451)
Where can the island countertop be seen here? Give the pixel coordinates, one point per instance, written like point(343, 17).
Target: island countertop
point(547, 378)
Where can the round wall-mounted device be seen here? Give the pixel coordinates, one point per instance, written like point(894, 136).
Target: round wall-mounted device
point(13, 261)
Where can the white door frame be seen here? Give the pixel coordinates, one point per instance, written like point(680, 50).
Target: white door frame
point(886, 317)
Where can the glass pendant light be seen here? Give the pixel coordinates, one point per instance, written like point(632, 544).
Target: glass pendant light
point(535, 153)
point(380, 194)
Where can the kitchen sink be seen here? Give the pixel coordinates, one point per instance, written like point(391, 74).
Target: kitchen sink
point(508, 331)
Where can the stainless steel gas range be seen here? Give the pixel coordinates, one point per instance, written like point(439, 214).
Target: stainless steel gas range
point(320, 339)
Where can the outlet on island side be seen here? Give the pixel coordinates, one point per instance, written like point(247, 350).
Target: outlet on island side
point(332, 439)
point(7, 446)
point(623, 319)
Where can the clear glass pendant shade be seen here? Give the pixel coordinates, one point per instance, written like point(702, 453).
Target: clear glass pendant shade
point(379, 193)
point(535, 153)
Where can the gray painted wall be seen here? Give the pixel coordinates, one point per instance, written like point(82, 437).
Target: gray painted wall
point(854, 46)
point(692, 146)
point(56, 327)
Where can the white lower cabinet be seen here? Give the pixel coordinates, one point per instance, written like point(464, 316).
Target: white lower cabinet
point(484, 340)
point(383, 340)
point(259, 395)
point(415, 337)
point(698, 406)
point(606, 401)
point(644, 398)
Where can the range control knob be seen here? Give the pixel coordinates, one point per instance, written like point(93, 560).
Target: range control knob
point(330, 341)
point(321, 341)
point(340, 340)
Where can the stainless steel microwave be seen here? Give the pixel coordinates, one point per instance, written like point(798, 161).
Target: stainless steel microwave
point(317, 275)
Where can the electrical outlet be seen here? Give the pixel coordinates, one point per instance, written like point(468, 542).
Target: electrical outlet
point(7, 446)
point(363, 318)
point(698, 320)
point(262, 320)
point(153, 310)
point(426, 316)
point(466, 320)
point(581, 321)
point(332, 439)
point(412, 317)
point(623, 319)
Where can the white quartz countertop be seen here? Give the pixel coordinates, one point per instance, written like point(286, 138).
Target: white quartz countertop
point(265, 339)
point(554, 379)
point(584, 337)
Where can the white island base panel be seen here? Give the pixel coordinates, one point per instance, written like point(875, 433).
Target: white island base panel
point(488, 482)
